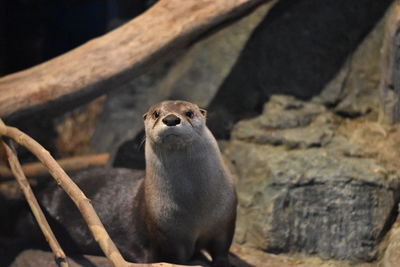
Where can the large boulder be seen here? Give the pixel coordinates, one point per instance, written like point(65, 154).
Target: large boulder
point(353, 91)
point(302, 188)
point(391, 257)
point(35, 258)
point(296, 50)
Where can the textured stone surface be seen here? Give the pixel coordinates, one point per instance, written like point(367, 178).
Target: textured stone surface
point(121, 118)
point(200, 72)
point(296, 50)
point(36, 258)
point(335, 207)
point(284, 111)
point(194, 75)
point(283, 123)
point(240, 257)
point(391, 257)
point(354, 89)
point(255, 258)
point(300, 188)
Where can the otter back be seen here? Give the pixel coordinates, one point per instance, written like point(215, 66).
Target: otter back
point(185, 202)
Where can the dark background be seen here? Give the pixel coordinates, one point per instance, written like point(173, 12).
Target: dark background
point(33, 31)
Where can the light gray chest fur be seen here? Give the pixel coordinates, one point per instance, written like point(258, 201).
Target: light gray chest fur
point(189, 185)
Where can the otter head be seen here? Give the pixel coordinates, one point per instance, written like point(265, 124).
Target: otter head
point(174, 124)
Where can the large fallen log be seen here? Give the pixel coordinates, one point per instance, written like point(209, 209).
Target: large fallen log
point(106, 62)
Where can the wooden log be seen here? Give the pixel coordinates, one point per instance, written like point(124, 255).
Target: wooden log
point(390, 69)
point(36, 169)
point(107, 62)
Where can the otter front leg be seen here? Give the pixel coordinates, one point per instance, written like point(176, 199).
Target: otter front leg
point(219, 251)
point(173, 252)
point(219, 246)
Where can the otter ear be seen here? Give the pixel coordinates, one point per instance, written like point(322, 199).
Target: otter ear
point(203, 112)
point(144, 116)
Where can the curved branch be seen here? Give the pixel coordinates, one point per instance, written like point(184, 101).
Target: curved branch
point(84, 205)
point(106, 62)
point(79, 198)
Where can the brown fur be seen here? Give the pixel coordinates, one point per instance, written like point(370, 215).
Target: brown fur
point(191, 184)
point(185, 203)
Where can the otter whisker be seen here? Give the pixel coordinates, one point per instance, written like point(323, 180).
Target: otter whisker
point(142, 142)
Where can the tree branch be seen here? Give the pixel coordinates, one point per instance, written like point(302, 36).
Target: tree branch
point(81, 201)
point(79, 198)
point(37, 169)
point(106, 62)
point(34, 205)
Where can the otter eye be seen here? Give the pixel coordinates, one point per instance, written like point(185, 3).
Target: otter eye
point(156, 114)
point(189, 114)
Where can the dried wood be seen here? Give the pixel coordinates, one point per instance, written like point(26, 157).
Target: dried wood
point(19, 175)
point(105, 63)
point(36, 169)
point(81, 201)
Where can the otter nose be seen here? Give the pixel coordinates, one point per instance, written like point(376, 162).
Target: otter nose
point(171, 120)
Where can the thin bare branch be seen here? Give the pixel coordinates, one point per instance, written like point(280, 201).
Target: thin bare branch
point(79, 198)
point(36, 169)
point(34, 205)
point(81, 201)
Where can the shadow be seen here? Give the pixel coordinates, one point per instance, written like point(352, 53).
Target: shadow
point(131, 153)
point(34, 31)
point(295, 50)
point(235, 261)
point(10, 245)
point(82, 261)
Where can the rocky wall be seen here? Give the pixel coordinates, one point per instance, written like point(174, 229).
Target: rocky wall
point(305, 187)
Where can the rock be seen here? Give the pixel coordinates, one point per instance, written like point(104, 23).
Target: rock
point(75, 129)
point(200, 72)
point(283, 111)
point(246, 257)
point(335, 207)
point(391, 257)
point(305, 187)
point(35, 258)
point(240, 257)
point(194, 75)
point(121, 118)
point(311, 201)
point(281, 114)
point(296, 50)
point(354, 90)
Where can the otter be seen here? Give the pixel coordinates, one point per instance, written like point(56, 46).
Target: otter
point(184, 202)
